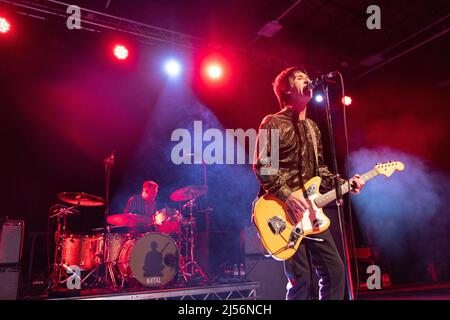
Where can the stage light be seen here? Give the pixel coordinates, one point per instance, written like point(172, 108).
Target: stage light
point(172, 67)
point(121, 52)
point(4, 25)
point(214, 71)
point(346, 101)
point(318, 98)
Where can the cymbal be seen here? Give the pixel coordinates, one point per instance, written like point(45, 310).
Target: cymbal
point(101, 229)
point(129, 220)
point(188, 193)
point(81, 199)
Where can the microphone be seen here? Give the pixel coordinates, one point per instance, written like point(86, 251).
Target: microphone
point(320, 80)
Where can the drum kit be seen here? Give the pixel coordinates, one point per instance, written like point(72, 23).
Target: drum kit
point(152, 253)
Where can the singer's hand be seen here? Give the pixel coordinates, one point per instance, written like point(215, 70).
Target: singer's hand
point(297, 205)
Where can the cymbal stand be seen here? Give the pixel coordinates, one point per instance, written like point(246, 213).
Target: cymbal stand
point(104, 266)
point(191, 267)
point(60, 236)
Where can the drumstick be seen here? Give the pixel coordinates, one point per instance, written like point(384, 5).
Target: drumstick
point(165, 247)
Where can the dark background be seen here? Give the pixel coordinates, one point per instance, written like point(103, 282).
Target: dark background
point(66, 104)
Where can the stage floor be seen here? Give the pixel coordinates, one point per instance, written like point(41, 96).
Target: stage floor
point(249, 290)
point(235, 291)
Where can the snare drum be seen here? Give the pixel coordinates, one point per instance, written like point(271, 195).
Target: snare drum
point(151, 259)
point(167, 220)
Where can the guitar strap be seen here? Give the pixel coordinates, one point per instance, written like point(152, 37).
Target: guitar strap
point(314, 141)
point(297, 134)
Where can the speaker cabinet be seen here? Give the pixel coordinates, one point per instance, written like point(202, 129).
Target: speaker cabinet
point(265, 270)
point(225, 250)
point(270, 275)
point(9, 280)
point(253, 244)
point(11, 239)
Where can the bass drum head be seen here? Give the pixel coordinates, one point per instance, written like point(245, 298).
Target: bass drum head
point(154, 259)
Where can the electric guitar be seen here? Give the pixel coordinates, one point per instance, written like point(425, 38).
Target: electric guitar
point(281, 231)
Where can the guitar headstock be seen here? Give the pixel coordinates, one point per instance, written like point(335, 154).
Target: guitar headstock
point(388, 168)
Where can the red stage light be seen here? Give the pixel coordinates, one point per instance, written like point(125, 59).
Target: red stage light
point(4, 25)
point(347, 101)
point(214, 71)
point(121, 52)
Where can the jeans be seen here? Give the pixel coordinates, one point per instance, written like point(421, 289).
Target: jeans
point(324, 258)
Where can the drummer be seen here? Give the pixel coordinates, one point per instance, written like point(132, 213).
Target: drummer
point(144, 203)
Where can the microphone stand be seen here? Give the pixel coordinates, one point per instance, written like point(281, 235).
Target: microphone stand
point(205, 184)
point(109, 162)
point(339, 198)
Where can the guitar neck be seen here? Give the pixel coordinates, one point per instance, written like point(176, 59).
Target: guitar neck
point(326, 198)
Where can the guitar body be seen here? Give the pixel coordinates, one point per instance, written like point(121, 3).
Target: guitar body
point(281, 231)
point(276, 223)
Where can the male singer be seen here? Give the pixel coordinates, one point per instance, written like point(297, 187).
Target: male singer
point(297, 164)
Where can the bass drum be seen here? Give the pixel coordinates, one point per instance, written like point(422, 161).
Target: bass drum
point(152, 259)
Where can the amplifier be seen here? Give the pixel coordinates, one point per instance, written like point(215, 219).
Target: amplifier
point(11, 240)
point(9, 280)
point(253, 244)
point(270, 275)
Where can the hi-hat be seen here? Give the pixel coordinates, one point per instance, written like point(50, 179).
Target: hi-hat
point(129, 220)
point(81, 199)
point(188, 193)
